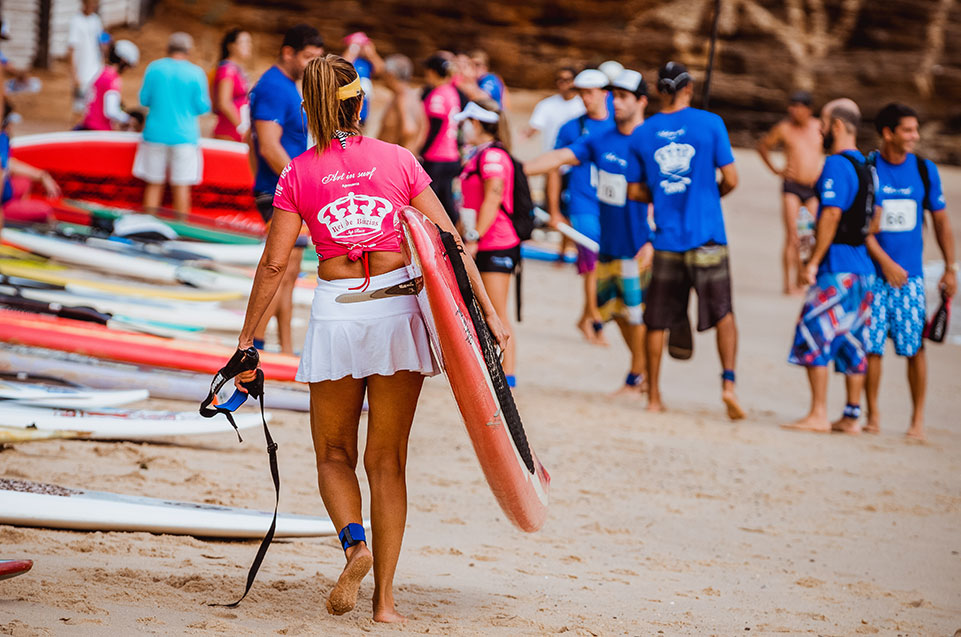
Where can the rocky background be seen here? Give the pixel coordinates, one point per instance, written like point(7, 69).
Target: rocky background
point(873, 52)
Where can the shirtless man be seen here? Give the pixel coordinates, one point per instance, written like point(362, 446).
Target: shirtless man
point(403, 121)
point(799, 134)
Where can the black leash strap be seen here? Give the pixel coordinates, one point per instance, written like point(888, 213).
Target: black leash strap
point(246, 360)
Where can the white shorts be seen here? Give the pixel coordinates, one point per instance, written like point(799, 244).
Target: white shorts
point(182, 162)
point(376, 337)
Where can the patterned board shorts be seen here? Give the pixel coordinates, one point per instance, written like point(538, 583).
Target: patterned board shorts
point(620, 289)
point(834, 323)
point(899, 312)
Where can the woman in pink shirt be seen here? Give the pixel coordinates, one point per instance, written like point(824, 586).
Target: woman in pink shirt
point(348, 189)
point(229, 86)
point(487, 187)
point(104, 110)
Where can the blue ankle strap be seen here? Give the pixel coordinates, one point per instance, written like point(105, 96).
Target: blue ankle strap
point(598, 326)
point(351, 535)
point(852, 411)
point(728, 374)
point(632, 380)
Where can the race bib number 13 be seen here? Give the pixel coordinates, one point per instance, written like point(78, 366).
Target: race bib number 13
point(899, 215)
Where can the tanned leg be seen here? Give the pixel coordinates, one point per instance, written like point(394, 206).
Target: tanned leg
point(854, 383)
point(790, 255)
point(918, 380)
point(727, 350)
point(655, 348)
point(817, 418)
point(872, 386)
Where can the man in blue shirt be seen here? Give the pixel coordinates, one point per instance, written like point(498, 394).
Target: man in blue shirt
point(624, 261)
point(676, 155)
point(175, 91)
point(834, 319)
point(898, 307)
point(279, 135)
point(488, 81)
point(576, 190)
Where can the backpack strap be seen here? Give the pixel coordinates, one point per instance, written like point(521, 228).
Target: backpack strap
point(926, 180)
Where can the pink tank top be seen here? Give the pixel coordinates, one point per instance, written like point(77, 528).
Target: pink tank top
point(227, 70)
point(108, 80)
point(497, 163)
point(349, 197)
point(443, 102)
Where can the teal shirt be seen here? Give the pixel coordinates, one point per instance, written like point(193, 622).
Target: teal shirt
point(176, 92)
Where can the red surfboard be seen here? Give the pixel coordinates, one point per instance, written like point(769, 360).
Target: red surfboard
point(12, 568)
point(97, 166)
point(91, 339)
point(466, 350)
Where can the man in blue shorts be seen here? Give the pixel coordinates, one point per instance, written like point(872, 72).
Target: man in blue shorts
point(833, 325)
point(676, 157)
point(279, 135)
point(579, 190)
point(907, 186)
point(624, 261)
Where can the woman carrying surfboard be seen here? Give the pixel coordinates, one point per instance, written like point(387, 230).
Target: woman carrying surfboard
point(348, 189)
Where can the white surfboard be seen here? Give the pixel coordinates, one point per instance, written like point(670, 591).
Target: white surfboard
point(35, 504)
point(24, 390)
point(126, 424)
point(579, 238)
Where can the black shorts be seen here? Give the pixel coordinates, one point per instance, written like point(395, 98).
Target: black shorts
point(505, 261)
point(673, 275)
point(442, 175)
point(800, 191)
point(265, 206)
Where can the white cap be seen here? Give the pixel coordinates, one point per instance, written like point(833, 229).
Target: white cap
point(590, 78)
point(478, 112)
point(611, 69)
point(629, 80)
point(127, 51)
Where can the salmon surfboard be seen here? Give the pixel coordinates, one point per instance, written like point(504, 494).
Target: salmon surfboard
point(465, 347)
point(12, 568)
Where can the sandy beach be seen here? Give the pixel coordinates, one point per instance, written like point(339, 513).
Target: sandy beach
point(679, 523)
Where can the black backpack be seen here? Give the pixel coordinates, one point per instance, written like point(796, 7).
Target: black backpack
point(523, 215)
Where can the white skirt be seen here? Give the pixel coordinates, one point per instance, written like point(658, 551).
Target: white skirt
point(379, 336)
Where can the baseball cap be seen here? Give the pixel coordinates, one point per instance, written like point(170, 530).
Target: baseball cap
point(359, 38)
point(478, 112)
point(631, 81)
point(801, 97)
point(127, 51)
point(180, 41)
point(672, 77)
point(611, 68)
point(591, 78)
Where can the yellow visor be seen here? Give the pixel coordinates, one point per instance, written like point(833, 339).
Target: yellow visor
point(348, 91)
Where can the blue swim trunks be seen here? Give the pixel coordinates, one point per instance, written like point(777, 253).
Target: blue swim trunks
point(899, 312)
point(834, 323)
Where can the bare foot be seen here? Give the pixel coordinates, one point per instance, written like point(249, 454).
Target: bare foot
point(816, 424)
point(872, 426)
point(845, 425)
point(343, 597)
point(599, 338)
point(916, 432)
point(655, 405)
point(587, 329)
point(389, 616)
point(734, 411)
point(631, 391)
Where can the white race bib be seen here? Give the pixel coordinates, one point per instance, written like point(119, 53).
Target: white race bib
point(611, 188)
point(899, 215)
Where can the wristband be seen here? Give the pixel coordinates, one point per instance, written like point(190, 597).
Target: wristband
point(955, 267)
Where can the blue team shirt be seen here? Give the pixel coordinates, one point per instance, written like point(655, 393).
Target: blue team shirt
point(4, 163)
point(838, 186)
point(275, 98)
point(493, 86)
point(176, 93)
point(365, 71)
point(676, 155)
point(900, 195)
point(580, 196)
point(624, 227)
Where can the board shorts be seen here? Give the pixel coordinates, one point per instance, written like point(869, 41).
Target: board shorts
point(504, 261)
point(442, 175)
point(265, 206)
point(800, 191)
point(376, 337)
point(673, 274)
point(834, 321)
point(900, 313)
point(620, 289)
point(178, 165)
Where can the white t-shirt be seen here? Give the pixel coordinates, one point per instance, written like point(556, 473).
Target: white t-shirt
point(84, 38)
point(551, 113)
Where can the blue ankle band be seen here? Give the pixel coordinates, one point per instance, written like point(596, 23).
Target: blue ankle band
point(511, 380)
point(259, 343)
point(728, 374)
point(598, 326)
point(633, 379)
point(852, 411)
point(351, 535)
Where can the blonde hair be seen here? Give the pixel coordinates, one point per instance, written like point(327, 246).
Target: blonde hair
point(326, 113)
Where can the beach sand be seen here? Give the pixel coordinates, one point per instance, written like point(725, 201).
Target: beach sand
point(679, 523)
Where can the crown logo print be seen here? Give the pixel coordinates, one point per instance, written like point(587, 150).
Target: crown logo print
point(354, 215)
point(674, 159)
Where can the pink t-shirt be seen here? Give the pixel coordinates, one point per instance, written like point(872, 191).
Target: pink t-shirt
point(349, 197)
point(497, 163)
point(443, 102)
point(227, 70)
point(109, 80)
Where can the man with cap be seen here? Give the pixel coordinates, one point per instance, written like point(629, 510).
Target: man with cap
point(834, 320)
point(907, 186)
point(676, 155)
point(578, 190)
point(440, 154)
point(624, 261)
point(799, 135)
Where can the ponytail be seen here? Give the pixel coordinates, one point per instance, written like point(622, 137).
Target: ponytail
point(326, 112)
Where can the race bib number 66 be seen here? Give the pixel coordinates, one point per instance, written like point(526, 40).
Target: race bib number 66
point(899, 215)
